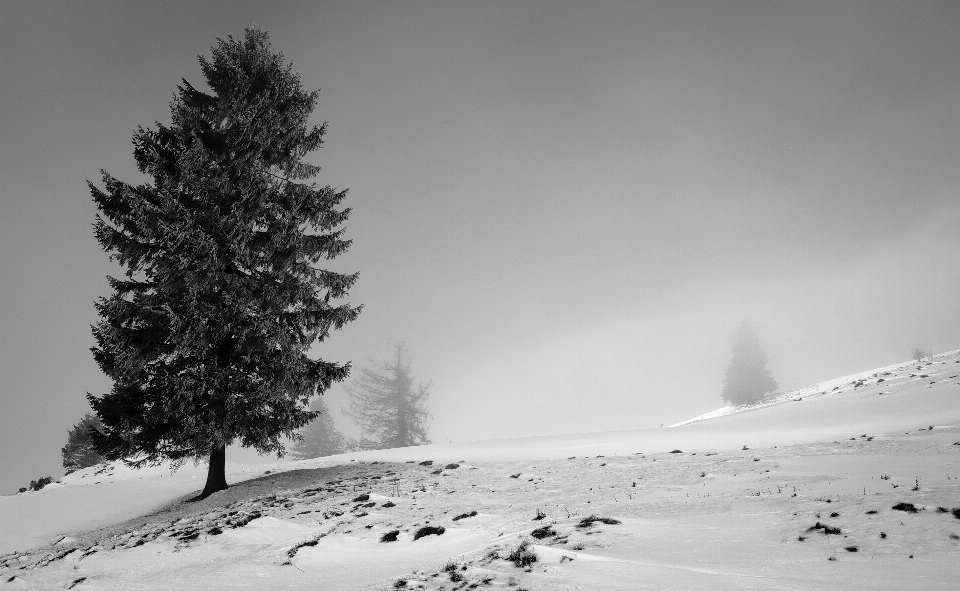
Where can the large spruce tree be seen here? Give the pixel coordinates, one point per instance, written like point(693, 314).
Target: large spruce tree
point(206, 338)
point(747, 378)
point(389, 410)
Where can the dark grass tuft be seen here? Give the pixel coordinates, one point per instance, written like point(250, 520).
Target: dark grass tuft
point(828, 530)
point(522, 555)
point(390, 536)
point(851, 549)
point(388, 504)
point(588, 521)
point(906, 507)
point(428, 530)
point(465, 516)
point(311, 542)
point(543, 532)
point(362, 498)
point(956, 512)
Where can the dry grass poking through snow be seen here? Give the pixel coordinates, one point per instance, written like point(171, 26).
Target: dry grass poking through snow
point(802, 504)
point(874, 510)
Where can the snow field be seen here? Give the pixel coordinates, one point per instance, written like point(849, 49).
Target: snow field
point(794, 495)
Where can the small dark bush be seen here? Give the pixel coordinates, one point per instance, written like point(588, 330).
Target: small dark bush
point(451, 466)
point(362, 498)
point(851, 548)
point(465, 515)
point(907, 507)
point(676, 451)
point(390, 536)
point(883, 535)
point(540, 515)
point(426, 463)
point(956, 512)
point(428, 530)
point(588, 521)
point(872, 512)
point(388, 504)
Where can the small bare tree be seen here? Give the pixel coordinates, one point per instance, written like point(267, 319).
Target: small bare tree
point(921, 354)
point(387, 407)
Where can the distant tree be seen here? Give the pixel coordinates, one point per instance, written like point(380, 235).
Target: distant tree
point(388, 409)
point(80, 452)
point(321, 437)
point(37, 484)
point(206, 338)
point(747, 378)
point(920, 354)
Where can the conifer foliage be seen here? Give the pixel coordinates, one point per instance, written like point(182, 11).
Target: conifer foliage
point(747, 378)
point(206, 337)
point(321, 437)
point(389, 410)
point(79, 452)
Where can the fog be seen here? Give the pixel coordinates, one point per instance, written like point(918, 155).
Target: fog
point(564, 210)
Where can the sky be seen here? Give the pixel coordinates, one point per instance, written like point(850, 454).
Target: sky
point(564, 210)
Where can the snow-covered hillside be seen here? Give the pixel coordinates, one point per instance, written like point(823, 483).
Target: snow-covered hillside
point(884, 378)
point(798, 492)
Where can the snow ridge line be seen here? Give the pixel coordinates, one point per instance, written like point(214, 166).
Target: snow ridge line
point(824, 388)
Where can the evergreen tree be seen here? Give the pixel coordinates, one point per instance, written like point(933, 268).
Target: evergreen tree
point(206, 337)
point(79, 452)
point(748, 378)
point(389, 410)
point(321, 437)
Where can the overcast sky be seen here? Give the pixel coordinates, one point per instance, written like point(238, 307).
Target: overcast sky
point(564, 209)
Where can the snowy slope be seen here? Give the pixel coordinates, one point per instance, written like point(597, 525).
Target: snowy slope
point(728, 512)
point(900, 374)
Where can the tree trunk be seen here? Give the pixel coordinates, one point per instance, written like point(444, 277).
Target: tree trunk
point(216, 473)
